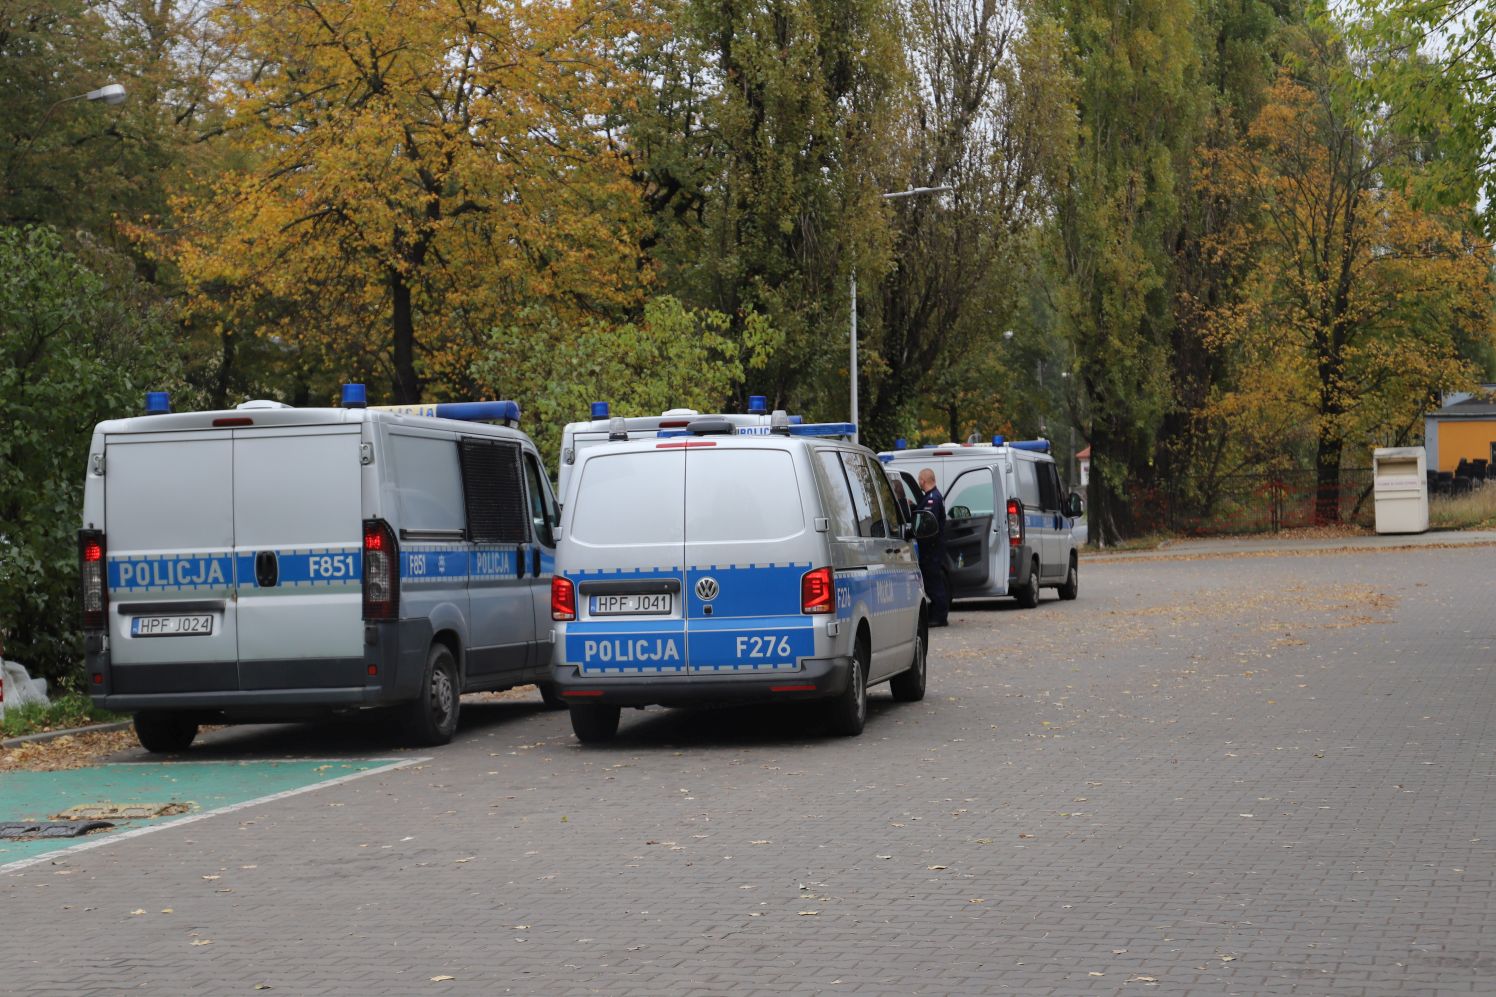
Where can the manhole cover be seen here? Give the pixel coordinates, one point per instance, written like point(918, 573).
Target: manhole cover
point(26, 830)
point(122, 811)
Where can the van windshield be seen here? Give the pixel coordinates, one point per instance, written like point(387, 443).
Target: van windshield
point(736, 496)
point(630, 499)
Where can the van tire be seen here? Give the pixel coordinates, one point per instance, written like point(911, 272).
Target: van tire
point(431, 718)
point(594, 723)
point(1028, 596)
point(164, 733)
point(1071, 588)
point(551, 696)
point(848, 711)
point(909, 686)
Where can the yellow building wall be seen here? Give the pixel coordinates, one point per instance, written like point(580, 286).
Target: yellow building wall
point(1465, 438)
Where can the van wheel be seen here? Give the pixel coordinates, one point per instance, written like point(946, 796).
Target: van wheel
point(909, 686)
point(594, 723)
point(849, 710)
point(1071, 588)
point(1028, 596)
point(164, 733)
point(431, 718)
point(551, 696)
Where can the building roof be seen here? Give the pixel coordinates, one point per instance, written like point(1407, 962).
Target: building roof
point(1477, 407)
point(1084, 454)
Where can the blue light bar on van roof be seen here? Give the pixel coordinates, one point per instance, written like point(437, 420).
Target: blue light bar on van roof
point(157, 403)
point(998, 440)
point(1038, 446)
point(823, 429)
point(355, 396)
point(796, 420)
point(506, 412)
point(901, 444)
point(599, 410)
point(757, 404)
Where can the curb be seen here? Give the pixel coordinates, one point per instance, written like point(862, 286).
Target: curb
point(48, 735)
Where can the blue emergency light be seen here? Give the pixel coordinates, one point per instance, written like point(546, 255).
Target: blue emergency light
point(901, 444)
point(796, 420)
point(758, 404)
point(998, 440)
point(1038, 446)
point(355, 396)
point(599, 410)
point(157, 403)
point(823, 429)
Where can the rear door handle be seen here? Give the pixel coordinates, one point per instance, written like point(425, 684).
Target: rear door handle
point(519, 561)
point(535, 561)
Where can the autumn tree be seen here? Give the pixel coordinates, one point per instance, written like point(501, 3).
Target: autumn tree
point(414, 175)
point(1358, 307)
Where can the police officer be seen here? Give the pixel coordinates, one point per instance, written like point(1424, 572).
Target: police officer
point(932, 550)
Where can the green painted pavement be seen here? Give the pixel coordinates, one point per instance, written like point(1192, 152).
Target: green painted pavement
point(205, 786)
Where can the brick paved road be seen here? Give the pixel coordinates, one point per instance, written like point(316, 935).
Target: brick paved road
point(1253, 775)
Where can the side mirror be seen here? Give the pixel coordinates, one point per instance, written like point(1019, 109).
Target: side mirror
point(925, 524)
point(1075, 507)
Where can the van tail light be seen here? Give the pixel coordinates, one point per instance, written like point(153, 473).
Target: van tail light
point(817, 591)
point(381, 571)
point(1015, 523)
point(94, 573)
point(563, 599)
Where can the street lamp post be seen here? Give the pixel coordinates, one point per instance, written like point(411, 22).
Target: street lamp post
point(852, 368)
point(111, 94)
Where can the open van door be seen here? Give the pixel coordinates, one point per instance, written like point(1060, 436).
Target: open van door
point(972, 547)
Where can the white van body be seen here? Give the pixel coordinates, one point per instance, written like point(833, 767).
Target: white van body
point(989, 552)
point(684, 565)
point(233, 545)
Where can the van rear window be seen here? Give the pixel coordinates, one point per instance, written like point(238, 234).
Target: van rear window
point(630, 499)
point(736, 496)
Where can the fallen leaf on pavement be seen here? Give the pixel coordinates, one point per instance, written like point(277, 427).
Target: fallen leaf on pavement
point(442, 979)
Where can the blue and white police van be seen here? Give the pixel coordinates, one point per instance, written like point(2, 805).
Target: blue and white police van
point(1009, 524)
point(578, 436)
point(270, 563)
point(708, 567)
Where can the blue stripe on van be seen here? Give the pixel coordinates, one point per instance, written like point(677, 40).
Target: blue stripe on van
point(747, 590)
point(160, 572)
point(641, 647)
point(773, 644)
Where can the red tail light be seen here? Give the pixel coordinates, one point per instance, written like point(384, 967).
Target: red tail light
point(818, 591)
point(381, 571)
point(95, 576)
point(563, 599)
point(1015, 523)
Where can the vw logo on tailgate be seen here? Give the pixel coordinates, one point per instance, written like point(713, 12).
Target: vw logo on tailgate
point(706, 588)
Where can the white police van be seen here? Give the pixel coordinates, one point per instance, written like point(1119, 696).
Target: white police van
point(578, 436)
point(272, 563)
point(712, 567)
point(1008, 527)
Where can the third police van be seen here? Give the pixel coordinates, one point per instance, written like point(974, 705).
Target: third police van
point(714, 567)
point(1008, 528)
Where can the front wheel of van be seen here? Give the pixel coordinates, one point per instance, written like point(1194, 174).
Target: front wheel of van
point(164, 733)
point(594, 723)
point(1071, 588)
point(431, 718)
point(909, 686)
point(849, 710)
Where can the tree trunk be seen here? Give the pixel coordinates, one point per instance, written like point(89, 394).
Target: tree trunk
point(407, 386)
point(1327, 476)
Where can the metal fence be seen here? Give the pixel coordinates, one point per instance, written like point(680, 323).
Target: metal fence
point(1252, 503)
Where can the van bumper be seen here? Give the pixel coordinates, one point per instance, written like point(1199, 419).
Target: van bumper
point(388, 672)
point(818, 678)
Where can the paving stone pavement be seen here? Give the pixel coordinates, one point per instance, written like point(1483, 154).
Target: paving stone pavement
point(1213, 776)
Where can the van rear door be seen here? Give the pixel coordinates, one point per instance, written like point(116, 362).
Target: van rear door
point(627, 516)
point(297, 547)
point(746, 551)
point(169, 531)
point(971, 522)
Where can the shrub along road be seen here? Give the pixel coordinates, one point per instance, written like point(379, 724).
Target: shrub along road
point(1212, 775)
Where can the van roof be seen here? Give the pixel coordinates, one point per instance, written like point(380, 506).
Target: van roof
point(180, 422)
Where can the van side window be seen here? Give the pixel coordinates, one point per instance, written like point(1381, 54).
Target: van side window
point(972, 491)
point(542, 506)
point(430, 482)
point(864, 496)
point(493, 492)
point(837, 492)
point(1028, 483)
point(1049, 487)
point(892, 514)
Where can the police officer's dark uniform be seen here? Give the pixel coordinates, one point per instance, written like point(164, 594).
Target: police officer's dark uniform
point(932, 559)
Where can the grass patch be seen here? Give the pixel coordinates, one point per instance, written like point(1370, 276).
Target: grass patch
point(1472, 511)
point(72, 709)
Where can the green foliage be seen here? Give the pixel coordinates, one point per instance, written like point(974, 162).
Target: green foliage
point(71, 709)
point(672, 357)
point(79, 343)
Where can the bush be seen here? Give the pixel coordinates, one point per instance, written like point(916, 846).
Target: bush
point(79, 343)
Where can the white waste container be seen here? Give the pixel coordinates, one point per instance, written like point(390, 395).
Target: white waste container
point(1400, 489)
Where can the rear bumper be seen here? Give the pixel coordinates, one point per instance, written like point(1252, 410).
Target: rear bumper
point(388, 672)
point(818, 678)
